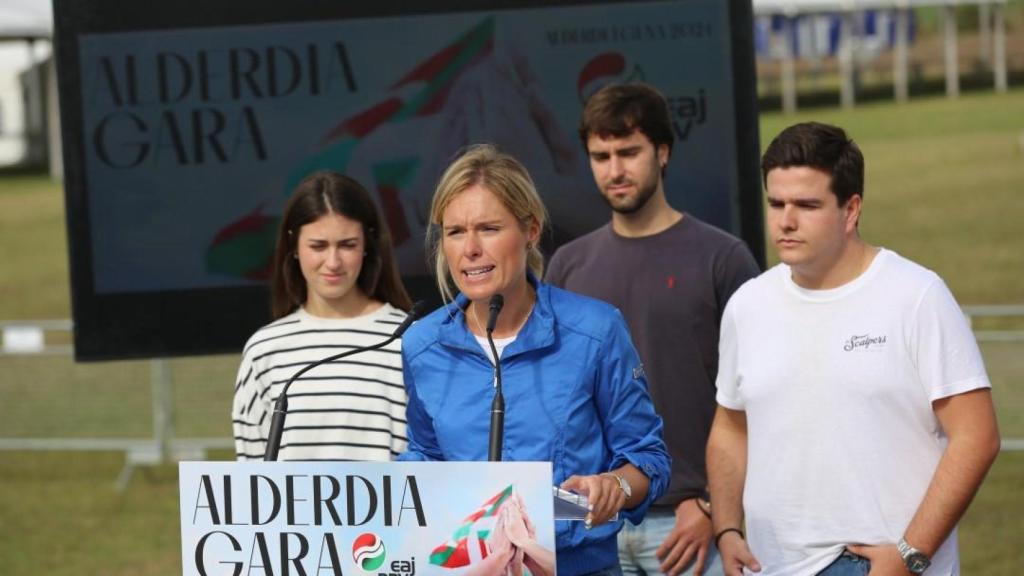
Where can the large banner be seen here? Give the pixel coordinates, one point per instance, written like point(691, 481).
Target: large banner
point(186, 140)
point(379, 518)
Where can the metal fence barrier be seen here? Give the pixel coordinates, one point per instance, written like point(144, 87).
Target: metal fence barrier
point(995, 311)
point(28, 337)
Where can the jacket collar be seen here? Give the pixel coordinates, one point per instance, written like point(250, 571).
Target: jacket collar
point(537, 333)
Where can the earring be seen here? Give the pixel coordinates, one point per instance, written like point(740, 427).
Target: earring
point(529, 245)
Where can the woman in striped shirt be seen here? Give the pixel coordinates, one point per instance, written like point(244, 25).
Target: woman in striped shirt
point(335, 286)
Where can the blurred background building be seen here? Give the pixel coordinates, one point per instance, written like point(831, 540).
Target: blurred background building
point(29, 120)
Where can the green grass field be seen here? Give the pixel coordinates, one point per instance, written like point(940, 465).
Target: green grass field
point(945, 187)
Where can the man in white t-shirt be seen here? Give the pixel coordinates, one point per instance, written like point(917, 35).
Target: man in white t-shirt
point(855, 421)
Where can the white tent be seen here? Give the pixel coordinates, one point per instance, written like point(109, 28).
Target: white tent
point(26, 19)
point(793, 7)
point(28, 111)
point(993, 32)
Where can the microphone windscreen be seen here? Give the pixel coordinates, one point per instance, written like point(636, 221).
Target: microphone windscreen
point(418, 309)
point(497, 302)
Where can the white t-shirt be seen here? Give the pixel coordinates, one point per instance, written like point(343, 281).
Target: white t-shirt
point(499, 344)
point(837, 386)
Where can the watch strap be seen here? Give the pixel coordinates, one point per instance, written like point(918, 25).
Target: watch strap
point(915, 560)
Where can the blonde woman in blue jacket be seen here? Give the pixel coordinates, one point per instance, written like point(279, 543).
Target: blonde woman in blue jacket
point(575, 394)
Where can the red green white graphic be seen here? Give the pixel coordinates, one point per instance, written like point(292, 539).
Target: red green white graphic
point(244, 248)
point(368, 552)
point(455, 552)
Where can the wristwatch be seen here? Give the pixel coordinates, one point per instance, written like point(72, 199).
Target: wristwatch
point(704, 503)
point(623, 484)
point(914, 559)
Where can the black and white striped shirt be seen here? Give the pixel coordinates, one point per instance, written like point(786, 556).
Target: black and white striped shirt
point(351, 409)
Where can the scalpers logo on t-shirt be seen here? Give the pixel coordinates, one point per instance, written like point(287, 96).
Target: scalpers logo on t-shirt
point(863, 342)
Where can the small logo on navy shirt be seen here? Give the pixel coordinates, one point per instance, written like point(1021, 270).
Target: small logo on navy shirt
point(864, 342)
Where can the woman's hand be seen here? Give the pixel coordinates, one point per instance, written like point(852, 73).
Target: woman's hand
point(602, 491)
point(526, 517)
point(516, 526)
point(502, 553)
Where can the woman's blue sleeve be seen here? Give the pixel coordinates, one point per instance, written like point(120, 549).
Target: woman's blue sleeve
point(632, 429)
point(419, 424)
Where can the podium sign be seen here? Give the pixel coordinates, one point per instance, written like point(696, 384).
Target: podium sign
point(356, 518)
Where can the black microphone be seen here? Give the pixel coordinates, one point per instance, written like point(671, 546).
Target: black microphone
point(495, 306)
point(281, 406)
point(498, 405)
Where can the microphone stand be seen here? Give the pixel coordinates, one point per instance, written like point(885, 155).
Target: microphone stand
point(281, 406)
point(498, 404)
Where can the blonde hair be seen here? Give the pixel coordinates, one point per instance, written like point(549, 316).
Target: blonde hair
point(506, 178)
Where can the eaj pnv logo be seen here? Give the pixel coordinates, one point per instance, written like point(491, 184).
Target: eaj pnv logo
point(368, 552)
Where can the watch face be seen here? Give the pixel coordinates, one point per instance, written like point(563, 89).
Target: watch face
point(917, 563)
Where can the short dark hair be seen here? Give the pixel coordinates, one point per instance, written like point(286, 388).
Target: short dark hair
point(821, 146)
point(323, 193)
point(616, 110)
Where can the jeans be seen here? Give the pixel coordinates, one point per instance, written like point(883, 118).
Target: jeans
point(849, 564)
point(637, 545)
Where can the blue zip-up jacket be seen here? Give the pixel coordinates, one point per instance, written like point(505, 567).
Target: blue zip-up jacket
point(575, 395)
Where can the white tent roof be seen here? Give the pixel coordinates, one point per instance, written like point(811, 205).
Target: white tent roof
point(24, 19)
